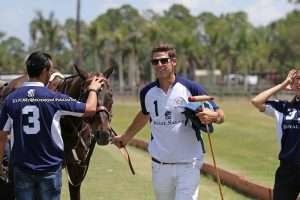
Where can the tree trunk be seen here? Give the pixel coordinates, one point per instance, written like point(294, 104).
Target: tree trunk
point(78, 30)
point(120, 72)
point(96, 61)
point(132, 72)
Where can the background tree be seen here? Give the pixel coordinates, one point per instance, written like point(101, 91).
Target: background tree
point(12, 52)
point(123, 37)
point(46, 34)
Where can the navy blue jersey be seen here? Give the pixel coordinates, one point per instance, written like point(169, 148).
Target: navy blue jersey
point(287, 116)
point(32, 114)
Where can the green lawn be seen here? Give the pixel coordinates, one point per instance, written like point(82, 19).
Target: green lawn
point(109, 178)
point(245, 144)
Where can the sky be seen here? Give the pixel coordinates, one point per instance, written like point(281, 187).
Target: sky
point(16, 15)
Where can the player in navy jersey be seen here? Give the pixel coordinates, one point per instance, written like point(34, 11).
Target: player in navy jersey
point(287, 116)
point(31, 114)
point(176, 153)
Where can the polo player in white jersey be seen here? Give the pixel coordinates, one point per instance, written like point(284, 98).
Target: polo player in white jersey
point(176, 153)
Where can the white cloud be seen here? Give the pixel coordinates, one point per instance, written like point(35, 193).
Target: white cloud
point(265, 11)
point(16, 15)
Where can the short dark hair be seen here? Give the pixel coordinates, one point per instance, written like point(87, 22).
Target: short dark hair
point(165, 48)
point(36, 62)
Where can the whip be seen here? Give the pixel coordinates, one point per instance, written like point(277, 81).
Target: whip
point(205, 99)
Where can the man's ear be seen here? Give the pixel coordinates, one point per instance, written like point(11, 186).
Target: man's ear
point(46, 73)
point(46, 69)
point(173, 60)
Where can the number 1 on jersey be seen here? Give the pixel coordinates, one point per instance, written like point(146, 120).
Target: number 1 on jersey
point(156, 108)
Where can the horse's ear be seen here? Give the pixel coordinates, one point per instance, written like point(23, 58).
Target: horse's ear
point(83, 74)
point(108, 72)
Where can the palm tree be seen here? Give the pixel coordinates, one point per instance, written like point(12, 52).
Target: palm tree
point(78, 56)
point(46, 34)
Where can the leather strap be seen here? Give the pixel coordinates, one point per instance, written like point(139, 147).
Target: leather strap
point(93, 90)
point(124, 153)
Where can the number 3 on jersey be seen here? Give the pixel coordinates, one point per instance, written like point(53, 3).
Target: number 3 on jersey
point(33, 115)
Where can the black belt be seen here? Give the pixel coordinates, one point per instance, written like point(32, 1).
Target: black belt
point(167, 163)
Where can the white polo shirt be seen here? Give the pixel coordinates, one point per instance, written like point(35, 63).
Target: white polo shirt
point(172, 137)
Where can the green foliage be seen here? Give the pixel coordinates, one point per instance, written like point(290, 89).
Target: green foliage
point(285, 47)
point(46, 33)
point(123, 37)
point(11, 54)
point(245, 143)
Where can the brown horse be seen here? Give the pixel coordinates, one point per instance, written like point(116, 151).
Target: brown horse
point(81, 134)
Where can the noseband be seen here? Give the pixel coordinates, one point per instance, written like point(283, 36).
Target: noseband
point(82, 97)
point(84, 128)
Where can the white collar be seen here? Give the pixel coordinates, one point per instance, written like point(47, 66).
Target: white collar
point(38, 84)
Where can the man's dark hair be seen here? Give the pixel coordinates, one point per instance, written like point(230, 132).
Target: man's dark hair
point(36, 62)
point(165, 48)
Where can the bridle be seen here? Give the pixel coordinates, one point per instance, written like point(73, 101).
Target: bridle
point(84, 128)
point(82, 94)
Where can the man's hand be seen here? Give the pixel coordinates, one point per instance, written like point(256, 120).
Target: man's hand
point(97, 83)
point(120, 140)
point(207, 116)
point(288, 82)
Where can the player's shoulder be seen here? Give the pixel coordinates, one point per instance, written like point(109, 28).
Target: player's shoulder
point(194, 87)
point(15, 93)
point(48, 93)
point(279, 102)
point(148, 87)
point(187, 82)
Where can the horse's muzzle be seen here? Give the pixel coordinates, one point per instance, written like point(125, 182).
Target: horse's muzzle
point(102, 137)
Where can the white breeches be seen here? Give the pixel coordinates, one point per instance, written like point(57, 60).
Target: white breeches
point(176, 181)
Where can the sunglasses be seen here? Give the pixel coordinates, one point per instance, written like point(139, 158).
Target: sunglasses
point(162, 61)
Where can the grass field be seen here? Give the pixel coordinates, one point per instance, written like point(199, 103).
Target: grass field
point(109, 178)
point(245, 144)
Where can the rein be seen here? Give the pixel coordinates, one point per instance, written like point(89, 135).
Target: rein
point(84, 127)
point(124, 153)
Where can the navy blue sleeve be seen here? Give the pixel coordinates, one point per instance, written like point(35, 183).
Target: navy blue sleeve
point(196, 89)
point(142, 102)
point(143, 95)
point(66, 103)
point(278, 105)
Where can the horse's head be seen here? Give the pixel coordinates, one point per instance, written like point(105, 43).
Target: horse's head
point(99, 124)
